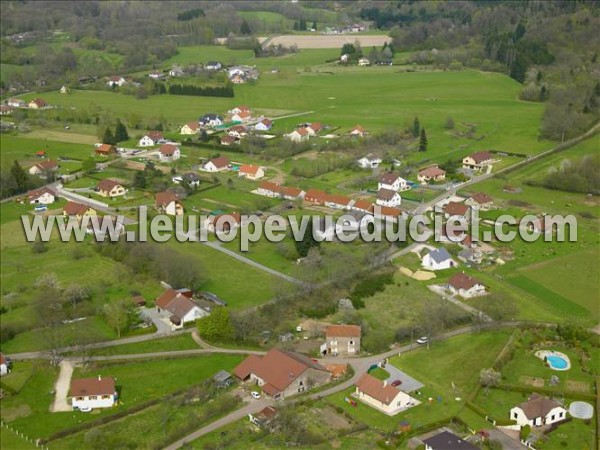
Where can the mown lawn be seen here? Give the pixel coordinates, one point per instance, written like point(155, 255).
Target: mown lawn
point(172, 343)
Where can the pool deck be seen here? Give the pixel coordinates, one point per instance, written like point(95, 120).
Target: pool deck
point(545, 353)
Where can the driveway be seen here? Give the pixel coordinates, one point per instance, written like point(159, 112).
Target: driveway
point(162, 326)
point(409, 384)
point(61, 387)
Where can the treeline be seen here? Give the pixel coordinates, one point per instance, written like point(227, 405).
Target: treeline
point(188, 89)
point(15, 180)
point(581, 176)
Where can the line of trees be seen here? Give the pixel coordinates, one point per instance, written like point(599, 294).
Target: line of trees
point(188, 89)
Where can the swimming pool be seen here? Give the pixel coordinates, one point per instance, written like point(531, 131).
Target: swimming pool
point(557, 362)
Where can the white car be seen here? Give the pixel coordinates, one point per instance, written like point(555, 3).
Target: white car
point(255, 394)
point(85, 409)
point(422, 340)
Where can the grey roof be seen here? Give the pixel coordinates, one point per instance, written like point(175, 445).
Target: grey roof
point(439, 255)
point(467, 253)
point(210, 116)
point(448, 441)
point(191, 176)
point(221, 376)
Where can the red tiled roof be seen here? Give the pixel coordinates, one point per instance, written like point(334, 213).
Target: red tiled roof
point(157, 135)
point(164, 198)
point(462, 281)
point(75, 209)
point(220, 162)
point(39, 192)
point(481, 198)
point(105, 148)
point(386, 194)
point(480, 157)
point(166, 298)
point(376, 389)
point(337, 199)
point(249, 169)
point(389, 178)
point(456, 209)
point(389, 211)
point(342, 331)
point(432, 172)
point(301, 131)
point(316, 126)
point(168, 149)
point(315, 196)
point(2, 359)
point(107, 185)
point(238, 129)
point(40, 102)
point(267, 122)
point(227, 140)
point(291, 191)
point(92, 386)
point(47, 165)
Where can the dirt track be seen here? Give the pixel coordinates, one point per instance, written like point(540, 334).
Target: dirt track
point(329, 41)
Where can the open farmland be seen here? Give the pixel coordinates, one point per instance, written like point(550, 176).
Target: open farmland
point(328, 41)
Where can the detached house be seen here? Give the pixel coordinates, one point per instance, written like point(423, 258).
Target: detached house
point(368, 162)
point(223, 223)
point(447, 441)
point(228, 140)
point(241, 116)
point(393, 182)
point(465, 286)
point(382, 396)
point(251, 172)
point(178, 307)
point(264, 125)
point(3, 365)
point(93, 392)
point(538, 411)
point(237, 131)
point(216, 164)
point(357, 131)
point(190, 128)
point(480, 200)
point(16, 103)
point(151, 138)
point(42, 196)
point(78, 211)
point(239, 109)
point(457, 210)
point(210, 120)
point(189, 178)
point(110, 188)
point(387, 197)
point(169, 153)
point(314, 128)
point(343, 340)
point(116, 81)
point(213, 65)
point(281, 373)
point(37, 103)
point(105, 150)
point(43, 168)
point(264, 417)
point(438, 259)
point(168, 203)
point(431, 174)
point(477, 160)
point(298, 135)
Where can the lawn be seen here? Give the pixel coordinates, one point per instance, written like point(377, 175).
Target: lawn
point(165, 344)
point(23, 149)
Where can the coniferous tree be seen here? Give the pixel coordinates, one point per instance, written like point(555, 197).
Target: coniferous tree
point(423, 141)
point(108, 137)
point(20, 176)
point(416, 127)
point(120, 132)
point(245, 28)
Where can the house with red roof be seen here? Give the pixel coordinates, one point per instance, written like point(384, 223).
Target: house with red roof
point(298, 135)
point(456, 210)
point(179, 307)
point(315, 197)
point(342, 340)
point(151, 138)
point(190, 128)
point(92, 393)
point(223, 223)
point(314, 128)
point(387, 197)
point(465, 286)
point(216, 164)
point(481, 201)
point(357, 131)
point(42, 168)
point(110, 188)
point(363, 206)
point(237, 131)
point(116, 80)
point(382, 396)
point(168, 203)
point(229, 140)
point(270, 189)
point(264, 417)
point(393, 182)
point(78, 211)
point(169, 153)
point(42, 196)
point(251, 172)
point(282, 373)
point(433, 173)
point(105, 150)
point(477, 160)
point(264, 125)
point(37, 103)
point(241, 116)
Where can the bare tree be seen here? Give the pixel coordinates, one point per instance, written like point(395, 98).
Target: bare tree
point(489, 378)
point(117, 315)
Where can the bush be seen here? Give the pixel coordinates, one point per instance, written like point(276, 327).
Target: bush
point(369, 287)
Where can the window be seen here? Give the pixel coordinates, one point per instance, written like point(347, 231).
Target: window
point(515, 415)
point(351, 342)
point(106, 397)
point(552, 418)
point(79, 399)
point(561, 414)
point(93, 397)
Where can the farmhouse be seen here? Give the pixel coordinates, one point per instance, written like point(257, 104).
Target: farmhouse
point(42, 196)
point(93, 392)
point(169, 153)
point(178, 307)
point(431, 174)
point(457, 210)
point(368, 162)
point(216, 164)
point(251, 172)
point(357, 131)
point(538, 411)
point(447, 441)
point(387, 197)
point(116, 80)
point(43, 168)
point(105, 150)
point(264, 417)
point(264, 125)
point(465, 286)
point(282, 373)
point(168, 203)
point(237, 131)
point(438, 259)
point(393, 182)
point(363, 205)
point(382, 396)
point(270, 189)
point(110, 188)
point(337, 201)
point(3, 365)
point(78, 211)
point(151, 138)
point(480, 200)
point(343, 340)
point(190, 128)
point(298, 135)
point(223, 223)
point(37, 103)
point(210, 120)
point(477, 160)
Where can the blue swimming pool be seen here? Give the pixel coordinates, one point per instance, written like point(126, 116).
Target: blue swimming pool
point(557, 362)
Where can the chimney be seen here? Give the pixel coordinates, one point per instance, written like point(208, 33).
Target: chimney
point(384, 383)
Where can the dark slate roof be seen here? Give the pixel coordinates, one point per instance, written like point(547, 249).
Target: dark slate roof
point(448, 441)
point(439, 255)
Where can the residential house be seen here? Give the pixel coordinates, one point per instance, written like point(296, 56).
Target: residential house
point(251, 172)
point(42, 196)
point(151, 138)
point(43, 168)
point(229, 140)
point(3, 365)
point(5, 110)
point(178, 307)
point(210, 120)
point(338, 201)
point(242, 116)
point(387, 213)
point(110, 188)
point(223, 223)
point(169, 153)
point(469, 256)
point(433, 173)
point(269, 189)
point(315, 196)
point(37, 103)
point(393, 182)
point(93, 392)
point(342, 340)
point(264, 125)
point(363, 205)
point(213, 65)
point(105, 150)
point(78, 211)
point(457, 210)
point(116, 81)
point(156, 75)
point(237, 131)
point(264, 417)
point(168, 203)
point(314, 128)
point(238, 78)
point(176, 71)
point(381, 395)
point(538, 411)
point(298, 135)
point(368, 162)
point(477, 160)
point(16, 103)
point(189, 178)
point(216, 164)
point(481, 201)
point(465, 286)
point(281, 373)
point(387, 197)
point(239, 109)
point(364, 62)
point(447, 441)
point(438, 259)
point(357, 131)
point(190, 128)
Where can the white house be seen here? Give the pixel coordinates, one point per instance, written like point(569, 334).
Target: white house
point(190, 128)
point(314, 128)
point(368, 162)
point(477, 160)
point(216, 164)
point(43, 167)
point(382, 396)
point(393, 182)
point(264, 125)
point(213, 65)
point(190, 177)
point(42, 196)
point(387, 197)
point(156, 75)
point(357, 131)
point(116, 81)
point(150, 139)
point(298, 135)
point(93, 392)
point(364, 62)
point(242, 116)
point(251, 172)
point(210, 120)
point(179, 308)
point(176, 71)
point(168, 203)
point(169, 152)
point(237, 131)
point(465, 286)
point(16, 103)
point(438, 259)
point(3, 365)
point(538, 411)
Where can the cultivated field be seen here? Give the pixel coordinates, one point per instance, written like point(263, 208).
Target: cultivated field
point(327, 41)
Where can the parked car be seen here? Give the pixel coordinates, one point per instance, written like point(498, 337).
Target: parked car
point(255, 394)
point(422, 340)
point(85, 409)
point(396, 383)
